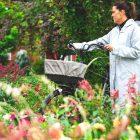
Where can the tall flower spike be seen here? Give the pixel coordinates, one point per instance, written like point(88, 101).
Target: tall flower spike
point(85, 85)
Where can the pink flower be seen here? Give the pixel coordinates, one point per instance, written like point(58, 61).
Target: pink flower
point(114, 94)
point(84, 84)
point(131, 90)
point(11, 126)
point(17, 134)
point(132, 80)
point(24, 123)
point(41, 119)
point(12, 117)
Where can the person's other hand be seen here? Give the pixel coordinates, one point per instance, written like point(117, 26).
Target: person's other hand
point(109, 47)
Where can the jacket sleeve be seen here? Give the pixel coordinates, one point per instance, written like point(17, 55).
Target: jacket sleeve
point(132, 52)
point(84, 45)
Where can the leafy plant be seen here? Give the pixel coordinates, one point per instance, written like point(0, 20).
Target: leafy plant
point(8, 43)
point(11, 72)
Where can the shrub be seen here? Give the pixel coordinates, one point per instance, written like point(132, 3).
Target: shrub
point(22, 58)
point(38, 66)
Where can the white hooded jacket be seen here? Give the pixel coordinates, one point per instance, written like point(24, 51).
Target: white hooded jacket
point(125, 57)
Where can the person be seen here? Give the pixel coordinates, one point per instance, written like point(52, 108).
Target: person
point(123, 44)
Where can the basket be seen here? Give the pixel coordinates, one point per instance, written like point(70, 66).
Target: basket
point(64, 72)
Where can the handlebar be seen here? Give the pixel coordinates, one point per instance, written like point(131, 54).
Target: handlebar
point(98, 45)
point(80, 52)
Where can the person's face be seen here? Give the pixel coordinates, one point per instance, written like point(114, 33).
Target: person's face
point(118, 15)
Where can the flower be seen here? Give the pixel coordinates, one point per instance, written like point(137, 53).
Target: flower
point(99, 126)
point(41, 119)
point(81, 129)
point(125, 121)
point(4, 86)
point(24, 124)
point(15, 92)
point(131, 89)
point(132, 80)
point(6, 117)
point(12, 117)
point(34, 133)
point(137, 127)
point(116, 122)
point(11, 126)
point(37, 88)
point(8, 90)
point(55, 131)
point(16, 134)
point(45, 80)
point(114, 94)
point(24, 88)
point(84, 84)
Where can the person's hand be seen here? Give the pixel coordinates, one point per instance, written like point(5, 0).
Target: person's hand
point(109, 47)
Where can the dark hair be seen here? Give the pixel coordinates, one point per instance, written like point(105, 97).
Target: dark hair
point(128, 7)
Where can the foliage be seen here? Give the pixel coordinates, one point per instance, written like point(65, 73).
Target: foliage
point(11, 16)
point(73, 117)
point(38, 66)
point(11, 72)
point(8, 43)
point(47, 26)
point(44, 27)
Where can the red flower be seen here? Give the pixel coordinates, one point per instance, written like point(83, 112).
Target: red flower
point(41, 119)
point(114, 94)
point(37, 88)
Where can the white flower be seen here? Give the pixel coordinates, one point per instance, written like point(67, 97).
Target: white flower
point(21, 52)
point(44, 79)
point(8, 90)
point(4, 86)
point(22, 113)
point(6, 117)
point(57, 125)
point(16, 92)
point(84, 126)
